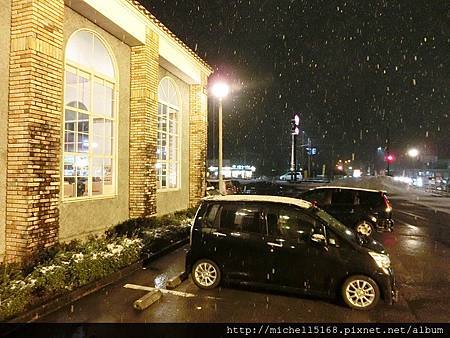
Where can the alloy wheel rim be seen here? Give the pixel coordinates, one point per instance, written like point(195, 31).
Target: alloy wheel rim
point(360, 293)
point(205, 274)
point(364, 228)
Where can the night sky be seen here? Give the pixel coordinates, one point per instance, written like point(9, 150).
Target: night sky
point(357, 72)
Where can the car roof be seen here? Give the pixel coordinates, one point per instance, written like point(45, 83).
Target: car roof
point(260, 198)
point(349, 188)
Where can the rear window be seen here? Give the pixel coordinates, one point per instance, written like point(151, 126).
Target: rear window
point(373, 199)
point(321, 196)
point(207, 217)
point(343, 196)
point(242, 218)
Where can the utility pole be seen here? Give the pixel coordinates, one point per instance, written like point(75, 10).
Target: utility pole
point(295, 124)
point(309, 157)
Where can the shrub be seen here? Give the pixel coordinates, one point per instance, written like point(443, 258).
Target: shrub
point(63, 267)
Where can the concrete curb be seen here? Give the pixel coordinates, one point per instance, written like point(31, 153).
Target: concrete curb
point(147, 300)
point(65, 299)
point(175, 281)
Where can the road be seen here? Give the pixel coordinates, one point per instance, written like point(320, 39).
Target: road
point(420, 254)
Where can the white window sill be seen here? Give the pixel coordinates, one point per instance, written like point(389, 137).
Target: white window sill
point(86, 199)
point(168, 190)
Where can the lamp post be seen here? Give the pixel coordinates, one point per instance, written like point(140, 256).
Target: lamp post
point(413, 153)
point(220, 90)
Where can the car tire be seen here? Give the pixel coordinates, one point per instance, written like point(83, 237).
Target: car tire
point(206, 274)
point(364, 228)
point(360, 292)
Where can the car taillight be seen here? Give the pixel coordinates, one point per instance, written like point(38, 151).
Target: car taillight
point(387, 204)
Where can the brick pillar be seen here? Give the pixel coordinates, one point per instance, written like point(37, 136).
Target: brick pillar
point(143, 127)
point(34, 125)
point(198, 123)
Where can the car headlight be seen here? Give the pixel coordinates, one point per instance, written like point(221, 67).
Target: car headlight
point(382, 261)
point(373, 219)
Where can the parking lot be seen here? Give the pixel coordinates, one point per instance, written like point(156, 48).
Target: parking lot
point(419, 248)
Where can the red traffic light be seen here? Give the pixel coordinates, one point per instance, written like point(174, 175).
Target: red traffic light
point(390, 158)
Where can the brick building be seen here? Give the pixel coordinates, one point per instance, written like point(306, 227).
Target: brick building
point(102, 118)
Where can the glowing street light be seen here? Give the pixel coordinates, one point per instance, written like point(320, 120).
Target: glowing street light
point(220, 90)
point(413, 152)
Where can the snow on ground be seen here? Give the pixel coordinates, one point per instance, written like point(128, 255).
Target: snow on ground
point(398, 190)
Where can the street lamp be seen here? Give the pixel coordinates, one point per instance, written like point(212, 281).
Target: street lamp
point(413, 152)
point(220, 90)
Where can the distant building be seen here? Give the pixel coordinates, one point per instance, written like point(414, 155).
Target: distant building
point(103, 117)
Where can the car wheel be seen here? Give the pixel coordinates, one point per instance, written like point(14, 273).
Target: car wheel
point(364, 228)
point(360, 292)
point(206, 274)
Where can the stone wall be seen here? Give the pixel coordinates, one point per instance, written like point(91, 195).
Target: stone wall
point(197, 142)
point(5, 28)
point(34, 125)
point(143, 127)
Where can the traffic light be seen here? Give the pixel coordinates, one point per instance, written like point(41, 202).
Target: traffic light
point(295, 125)
point(390, 158)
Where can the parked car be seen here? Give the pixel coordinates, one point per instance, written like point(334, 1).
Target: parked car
point(260, 188)
point(286, 244)
point(288, 176)
point(230, 186)
point(364, 210)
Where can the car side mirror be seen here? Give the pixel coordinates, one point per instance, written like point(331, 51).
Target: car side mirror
point(318, 238)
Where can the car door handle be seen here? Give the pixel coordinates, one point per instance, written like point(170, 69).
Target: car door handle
point(235, 234)
point(279, 245)
point(219, 234)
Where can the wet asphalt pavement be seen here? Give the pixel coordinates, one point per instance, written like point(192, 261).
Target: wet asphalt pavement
point(420, 254)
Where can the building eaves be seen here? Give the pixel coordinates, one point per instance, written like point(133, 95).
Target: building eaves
point(158, 23)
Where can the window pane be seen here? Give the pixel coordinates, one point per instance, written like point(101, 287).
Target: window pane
point(98, 139)
point(242, 218)
point(159, 146)
point(109, 132)
point(172, 148)
point(99, 127)
point(99, 98)
point(172, 127)
point(97, 176)
point(163, 175)
point(163, 148)
point(158, 175)
point(108, 186)
point(82, 166)
point(83, 123)
point(83, 143)
point(69, 141)
point(343, 196)
point(69, 176)
point(101, 61)
point(109, 99)
point(84, 92)
point(295, 225)
point(70, 89)
point(167, 92)
point(79, 48)
point(69, 166)
point(82, 188)
point(172, 177)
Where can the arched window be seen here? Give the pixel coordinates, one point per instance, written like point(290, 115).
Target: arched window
point(89, 118)
point(167, 166)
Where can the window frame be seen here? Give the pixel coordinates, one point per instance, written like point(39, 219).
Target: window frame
point(167, 134)
point(93, 78)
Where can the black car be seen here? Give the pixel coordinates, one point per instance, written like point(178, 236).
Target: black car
point(288, 244)
point(364, 210)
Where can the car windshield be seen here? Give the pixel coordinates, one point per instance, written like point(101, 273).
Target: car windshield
point(336, 225)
